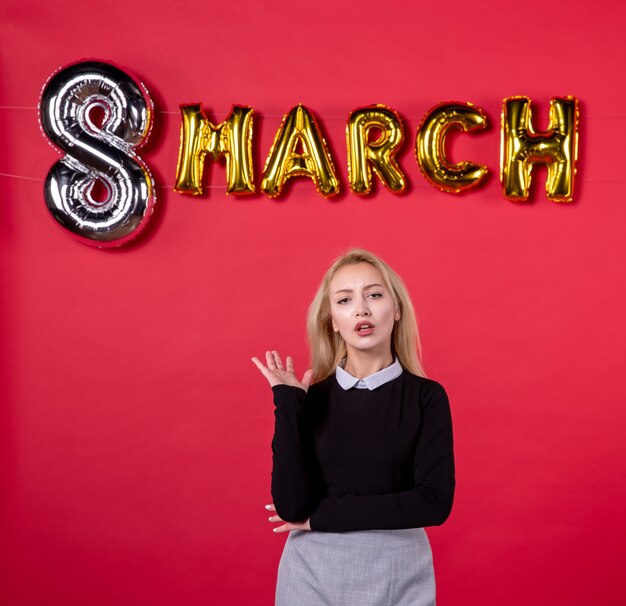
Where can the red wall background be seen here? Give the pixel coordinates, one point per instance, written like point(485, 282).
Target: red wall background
point(135, 431)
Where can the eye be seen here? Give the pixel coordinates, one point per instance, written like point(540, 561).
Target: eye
point(340, 302)
point(376, 294)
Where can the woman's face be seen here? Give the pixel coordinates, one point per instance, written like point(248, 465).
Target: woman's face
point(362, 309)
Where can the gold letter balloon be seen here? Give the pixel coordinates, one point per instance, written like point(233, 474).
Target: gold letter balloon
point(299, 149)
point(430, 149)
point(365, 155)
point(98, 153)
point(522, 148)
point(231, 139)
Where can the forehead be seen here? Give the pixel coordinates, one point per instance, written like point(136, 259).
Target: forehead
point(354, 276)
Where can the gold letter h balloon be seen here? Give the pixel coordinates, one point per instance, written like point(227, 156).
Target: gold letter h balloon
point(522, 148)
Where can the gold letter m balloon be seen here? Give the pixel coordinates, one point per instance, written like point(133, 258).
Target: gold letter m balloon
point(232, 139)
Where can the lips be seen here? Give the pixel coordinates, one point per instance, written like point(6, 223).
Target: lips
point(364, 328)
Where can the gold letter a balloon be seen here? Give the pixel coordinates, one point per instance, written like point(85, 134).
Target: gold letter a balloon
point(314, 161)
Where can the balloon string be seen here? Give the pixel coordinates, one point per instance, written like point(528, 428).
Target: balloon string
point(165, 111)
point(12, 176)
point(418, 185)
point(15, 107)
point(342, 117)
point(171, 113)
point(21, 177)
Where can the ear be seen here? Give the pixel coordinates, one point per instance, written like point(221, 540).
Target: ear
point(334, 324)
point(397, 315)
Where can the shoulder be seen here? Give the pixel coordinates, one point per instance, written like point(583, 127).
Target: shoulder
point(322, 387)
point(420, 382)
point(429, 390)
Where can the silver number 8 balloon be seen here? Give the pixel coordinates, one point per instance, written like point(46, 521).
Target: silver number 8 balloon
point(98, 152)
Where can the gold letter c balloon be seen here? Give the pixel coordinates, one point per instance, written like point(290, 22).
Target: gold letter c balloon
point(430, 147)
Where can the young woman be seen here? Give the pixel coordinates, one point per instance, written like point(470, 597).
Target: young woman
point(362, 448)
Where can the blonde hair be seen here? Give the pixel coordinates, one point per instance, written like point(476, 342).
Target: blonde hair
point(328, 347)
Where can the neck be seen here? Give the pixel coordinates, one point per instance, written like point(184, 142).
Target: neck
point(363, 364)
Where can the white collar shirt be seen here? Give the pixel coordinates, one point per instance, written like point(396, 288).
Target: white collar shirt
point(347, 381)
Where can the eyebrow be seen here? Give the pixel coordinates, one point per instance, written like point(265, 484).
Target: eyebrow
point(350, 289)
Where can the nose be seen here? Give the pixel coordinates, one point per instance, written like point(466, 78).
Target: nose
point(362, 308)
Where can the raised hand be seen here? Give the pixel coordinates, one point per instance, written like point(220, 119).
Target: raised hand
point(277, 374)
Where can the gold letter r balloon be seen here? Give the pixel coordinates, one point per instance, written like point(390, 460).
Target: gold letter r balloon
point(378, 155)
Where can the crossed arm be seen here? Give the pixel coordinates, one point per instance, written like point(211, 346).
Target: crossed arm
point(296, 487)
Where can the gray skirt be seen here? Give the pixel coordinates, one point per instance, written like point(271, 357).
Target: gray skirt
point(364, 568)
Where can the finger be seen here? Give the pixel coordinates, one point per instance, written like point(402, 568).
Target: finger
point(277, 360)
point(307, 378)
point(284, 528)
point(270, 360)
point(259, 365)
point(290, 364)
point(275, 519)
point(270, 507)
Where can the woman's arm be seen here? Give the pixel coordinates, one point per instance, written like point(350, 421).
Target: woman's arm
point(427, 504)
point(290, 488)
point(293, 484)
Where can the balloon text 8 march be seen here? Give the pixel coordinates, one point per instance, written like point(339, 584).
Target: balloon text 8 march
point(106, 153)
